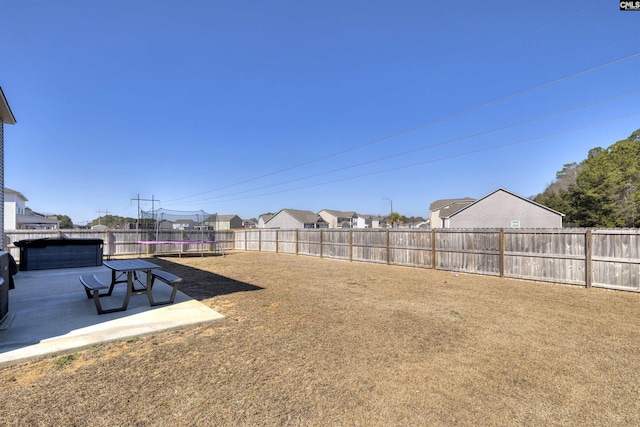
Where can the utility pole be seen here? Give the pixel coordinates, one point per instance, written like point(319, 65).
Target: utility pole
point(152, 200)
point(99, 216)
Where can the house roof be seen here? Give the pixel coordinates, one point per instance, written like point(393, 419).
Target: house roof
point(339, 214)
point(218, 218)
point(226, 217)
point(17, 193)
point(36, 219)
point(508, 192)
point(305, 217)
point(6, 116)
point(439, 204)
point(449, 207)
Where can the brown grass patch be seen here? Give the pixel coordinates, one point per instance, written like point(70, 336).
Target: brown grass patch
point(310, 341)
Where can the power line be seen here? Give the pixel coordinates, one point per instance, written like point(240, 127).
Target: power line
point(422, 126)
point(415, 150)
point(495, 147)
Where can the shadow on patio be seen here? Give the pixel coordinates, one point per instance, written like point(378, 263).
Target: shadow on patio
point(49, 312)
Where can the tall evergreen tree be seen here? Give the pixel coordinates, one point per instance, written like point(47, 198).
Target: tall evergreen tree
point(601, 191)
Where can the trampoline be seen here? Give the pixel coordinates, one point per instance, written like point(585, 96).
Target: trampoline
point(181, 232)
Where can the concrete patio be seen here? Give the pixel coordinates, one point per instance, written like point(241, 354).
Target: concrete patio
point(49, 313)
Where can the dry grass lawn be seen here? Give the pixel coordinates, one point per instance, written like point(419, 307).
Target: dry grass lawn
point(319, 342)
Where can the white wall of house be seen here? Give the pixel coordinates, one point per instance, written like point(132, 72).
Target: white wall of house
point(377, 223)
point(330, 217)
point(436, 221)
point(294, 218)
point(283, 220)
point(10, 216)
point(14, 206)
point(368, 221)
point(503, 209)
point(336, 219)
point(225, 222)
point(183, 225)
point(362, 222)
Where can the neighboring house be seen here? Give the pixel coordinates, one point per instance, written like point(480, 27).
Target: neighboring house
point(6, 116)
point(184, 224)
point(292, 219)
point(339, 219)
point(262, 220)
point(165, 224)
point(441, 209)
point(502, 209)
point(17, 216)
point(369, 221)
point(379, 222)
point(224, 222)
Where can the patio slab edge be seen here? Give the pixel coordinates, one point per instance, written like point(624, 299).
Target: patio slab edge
point(180, 315)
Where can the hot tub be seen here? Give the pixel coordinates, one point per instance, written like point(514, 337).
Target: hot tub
point(48, 253)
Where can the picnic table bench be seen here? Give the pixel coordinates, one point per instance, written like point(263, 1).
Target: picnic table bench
point(169, 279)
point(93, 286)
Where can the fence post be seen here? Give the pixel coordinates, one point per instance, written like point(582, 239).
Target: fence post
point(277, 235)
point(588, 261)
point(350, 244)
point(297, 240)
point(109, 243)
point(149, 247)
point(388, 249)
point(321, 243)
point(433, 249)
point(501, 244)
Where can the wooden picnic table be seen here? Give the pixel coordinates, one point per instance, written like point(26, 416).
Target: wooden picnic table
point(132, 268)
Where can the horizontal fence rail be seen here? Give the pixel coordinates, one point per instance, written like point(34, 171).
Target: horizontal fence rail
point(126, 242)
point(605, 258)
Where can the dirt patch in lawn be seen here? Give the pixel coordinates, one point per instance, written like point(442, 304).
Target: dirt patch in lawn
point(310, 341)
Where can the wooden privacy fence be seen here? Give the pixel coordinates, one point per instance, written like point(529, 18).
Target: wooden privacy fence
point(606, 258)
point(125, 242)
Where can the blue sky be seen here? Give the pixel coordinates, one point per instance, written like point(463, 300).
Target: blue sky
point(246, 107)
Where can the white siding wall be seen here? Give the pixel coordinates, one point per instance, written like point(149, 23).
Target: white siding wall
point(436, 221)
point(361, 223)
point(331, 219)
point(284, 221)
point(500, 210)
point(9, 216)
